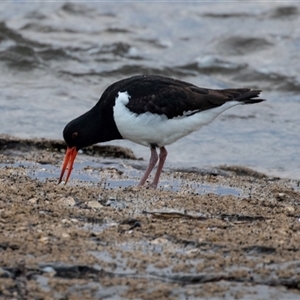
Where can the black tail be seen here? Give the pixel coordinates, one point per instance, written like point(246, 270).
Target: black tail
point(245, 95)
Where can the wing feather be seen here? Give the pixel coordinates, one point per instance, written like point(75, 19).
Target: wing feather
point(173, 98)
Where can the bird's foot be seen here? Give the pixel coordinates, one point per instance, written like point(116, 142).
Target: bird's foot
point(152, 185)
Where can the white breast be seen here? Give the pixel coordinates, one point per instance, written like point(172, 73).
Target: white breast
point(148, 128)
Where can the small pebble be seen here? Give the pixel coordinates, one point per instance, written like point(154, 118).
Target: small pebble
point(94, 204)
point(67, 201)
point(65, 235)
point(289, 209)
point(192, 251)
point(281, 196)
point(159, 241)
point(44, 240)
point(33, 200)
point(48, 270)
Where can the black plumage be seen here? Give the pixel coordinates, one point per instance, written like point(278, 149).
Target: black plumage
point(152, 94)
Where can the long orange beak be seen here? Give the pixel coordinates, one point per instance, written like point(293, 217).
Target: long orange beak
point(68, 163)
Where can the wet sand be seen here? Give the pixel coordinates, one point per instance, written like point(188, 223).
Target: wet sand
point(227, 233)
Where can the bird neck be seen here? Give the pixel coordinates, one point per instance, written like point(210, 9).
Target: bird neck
point(103, 124)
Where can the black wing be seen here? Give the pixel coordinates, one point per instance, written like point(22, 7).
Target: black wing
point(173, 98)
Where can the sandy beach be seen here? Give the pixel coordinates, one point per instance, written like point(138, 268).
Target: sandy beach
point(237, 238)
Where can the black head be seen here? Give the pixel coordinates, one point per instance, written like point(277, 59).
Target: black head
point(82, 131)
point(95, 126)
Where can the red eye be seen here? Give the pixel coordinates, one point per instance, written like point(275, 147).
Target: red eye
point(74, 135)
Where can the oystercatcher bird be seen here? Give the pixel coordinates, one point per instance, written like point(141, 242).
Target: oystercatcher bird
point(152, 111)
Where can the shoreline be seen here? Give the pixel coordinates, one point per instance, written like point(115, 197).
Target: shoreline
point(225, 233)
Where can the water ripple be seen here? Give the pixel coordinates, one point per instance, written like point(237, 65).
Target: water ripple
point(61, 56)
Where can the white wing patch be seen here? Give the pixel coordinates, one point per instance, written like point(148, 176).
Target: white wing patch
point(148, 128)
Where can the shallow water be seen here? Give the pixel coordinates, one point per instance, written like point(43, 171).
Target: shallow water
point(105, 174)
point(57, 58)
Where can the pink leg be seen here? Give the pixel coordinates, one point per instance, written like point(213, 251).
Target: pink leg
point(162, 158)
point(152, 163)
